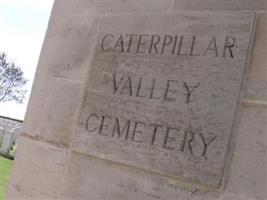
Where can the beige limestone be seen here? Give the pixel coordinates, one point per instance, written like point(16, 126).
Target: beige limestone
point(98, 179)
point(248, 171)
point(256, 86)
point(137, 109)
point(108, 180)
point(37, 174)
point(71, 34)
point(220, 5)
point(55, 105)
point(64, 56)
point(116, 6)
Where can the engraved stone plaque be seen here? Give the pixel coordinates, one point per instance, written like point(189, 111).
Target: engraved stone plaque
point(162, 92)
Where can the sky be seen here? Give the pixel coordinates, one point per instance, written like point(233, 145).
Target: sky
point(22, 29)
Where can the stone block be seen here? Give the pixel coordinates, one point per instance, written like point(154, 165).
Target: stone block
point(52, 110)
point(66, 49)
point(248, 175)
point(256, 86)
point(116, 6)
point(162, 92)
point(235, 197)
point(130, 91)
point(37, 172)
point(220, 5)
point(70, 34)
point(92, 178)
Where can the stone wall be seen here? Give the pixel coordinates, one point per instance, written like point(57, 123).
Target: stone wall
point(48, 167)
point(9, 133)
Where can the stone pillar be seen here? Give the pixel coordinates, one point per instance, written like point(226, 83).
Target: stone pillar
point(74, 144)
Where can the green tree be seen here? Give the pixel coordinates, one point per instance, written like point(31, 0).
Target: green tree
point(12, 82)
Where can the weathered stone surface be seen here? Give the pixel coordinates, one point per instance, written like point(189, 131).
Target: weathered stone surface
point(67, 46)
point(164, 97)
point(220, 5)
point(235, 197)
point(116, 6)
point(53, 111)
point(257, 77)
point(248, 175)
point(97, 179)
point(38, 171)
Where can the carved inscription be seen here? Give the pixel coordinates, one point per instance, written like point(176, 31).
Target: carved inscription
point(162, 92)
point(126, 84)
point(139, 87)
point(191, 139)
point(159, 44)
point(134, 131)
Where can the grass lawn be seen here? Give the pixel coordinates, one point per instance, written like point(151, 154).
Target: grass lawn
point(5, 169)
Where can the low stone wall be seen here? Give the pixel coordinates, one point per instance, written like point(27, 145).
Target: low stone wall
point(9, 132)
